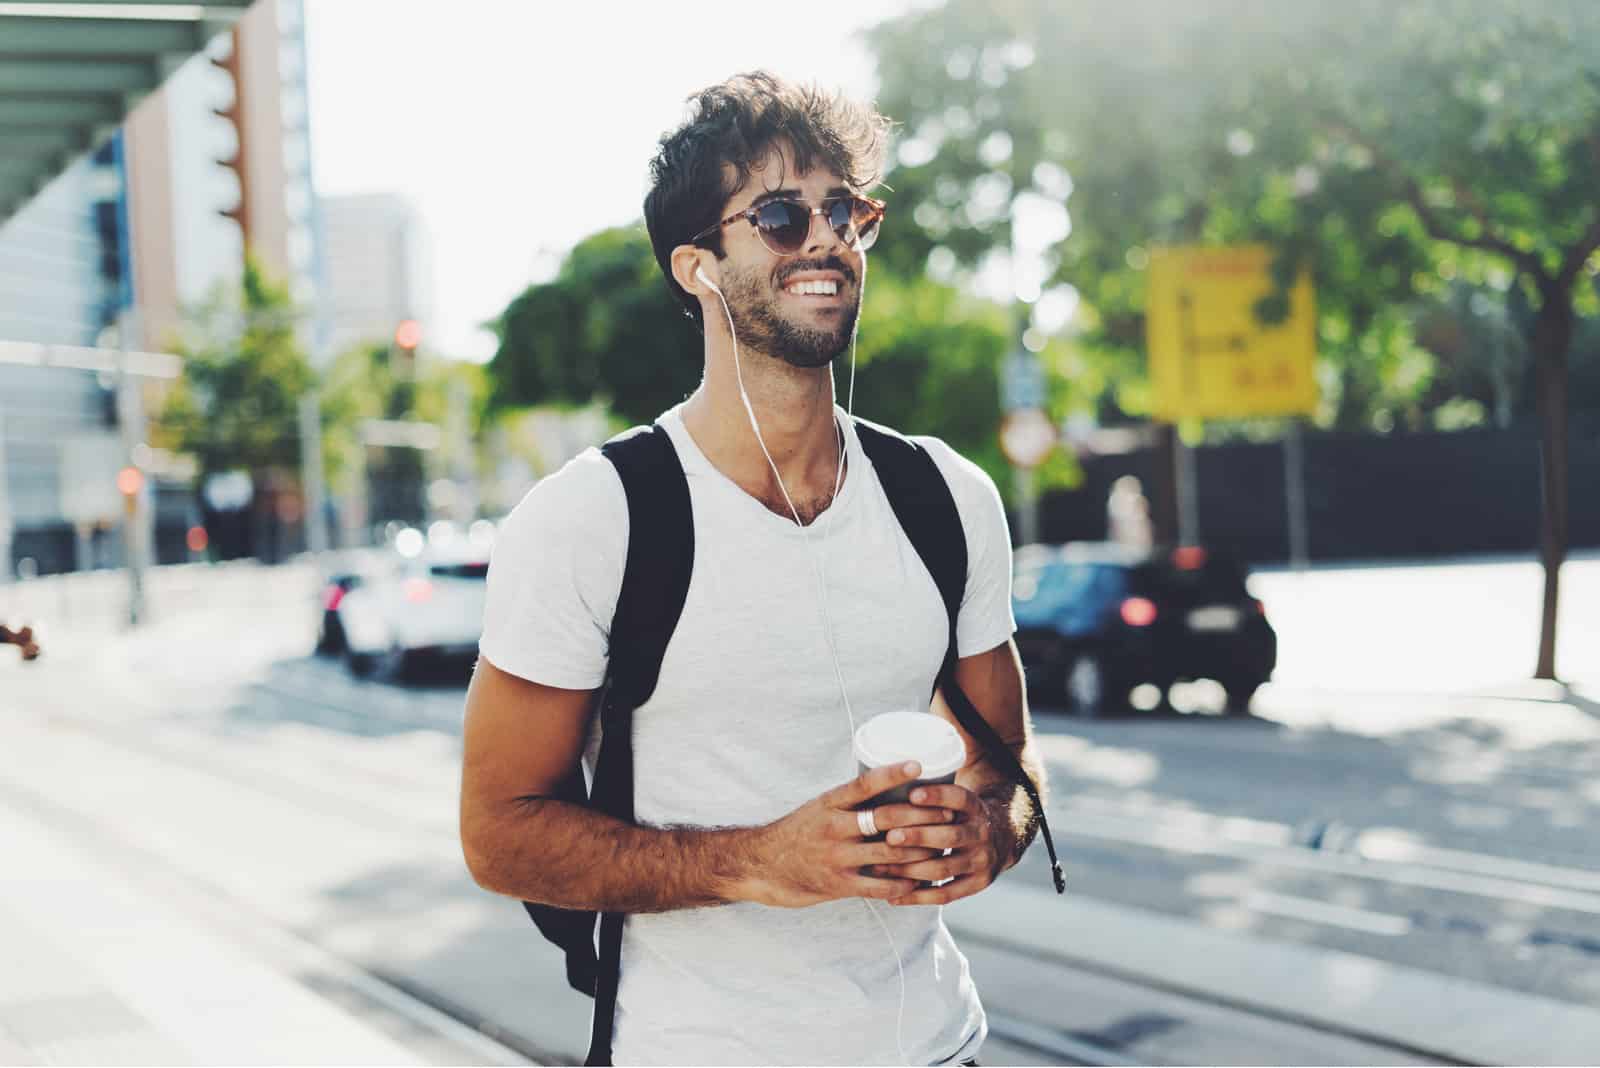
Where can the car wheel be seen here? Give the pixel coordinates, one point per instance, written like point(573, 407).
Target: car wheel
point(1085, 687)
point(393, 664)
point(331, 641)
point(361, 665)
point(1239, 696)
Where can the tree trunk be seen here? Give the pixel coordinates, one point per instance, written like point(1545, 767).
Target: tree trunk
point(1552, 335)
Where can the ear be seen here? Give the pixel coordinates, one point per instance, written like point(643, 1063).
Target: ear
point(685, 259)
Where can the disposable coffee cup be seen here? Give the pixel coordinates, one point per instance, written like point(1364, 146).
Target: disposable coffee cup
point(896, 737)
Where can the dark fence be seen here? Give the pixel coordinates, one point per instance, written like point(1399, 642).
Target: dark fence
point(1367, 496)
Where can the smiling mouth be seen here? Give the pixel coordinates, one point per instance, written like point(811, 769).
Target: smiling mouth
point(818, 288)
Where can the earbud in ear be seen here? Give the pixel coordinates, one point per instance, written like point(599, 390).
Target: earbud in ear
point(700, 273)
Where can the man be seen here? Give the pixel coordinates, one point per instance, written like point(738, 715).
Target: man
point(754, 899)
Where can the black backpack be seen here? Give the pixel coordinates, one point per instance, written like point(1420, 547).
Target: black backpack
point(655, 581)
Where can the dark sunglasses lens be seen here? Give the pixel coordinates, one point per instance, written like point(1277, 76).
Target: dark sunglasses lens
point(855, 219)
point(842, 216)
point(783, 225)
point(868, 225)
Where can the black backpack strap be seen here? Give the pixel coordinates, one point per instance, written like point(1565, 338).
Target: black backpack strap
point(570, 929)
point(655, 582)
point(927, 511)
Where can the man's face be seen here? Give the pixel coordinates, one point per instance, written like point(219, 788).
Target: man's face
point(766, 291)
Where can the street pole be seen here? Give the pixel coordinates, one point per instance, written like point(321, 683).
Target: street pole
point(1188, 493)
point(1027, 505)
point(1294, 492)
point(130, 419)
point(311, 473)
point(1164, 484)
point(464, 472)
point(1023, 398)
point(361, 503)
point(5, 509)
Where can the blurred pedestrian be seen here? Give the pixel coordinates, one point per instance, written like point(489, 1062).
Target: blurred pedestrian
point(22, 638)
point(745, 874)
point(1128, 515)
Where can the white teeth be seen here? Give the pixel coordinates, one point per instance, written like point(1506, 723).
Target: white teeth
point(815, 288)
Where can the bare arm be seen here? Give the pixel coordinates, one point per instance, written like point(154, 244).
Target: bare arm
point(993, 682)
point(521, 739)
point(994, 821)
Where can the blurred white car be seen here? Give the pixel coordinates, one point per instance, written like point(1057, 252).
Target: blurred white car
point(428, 605)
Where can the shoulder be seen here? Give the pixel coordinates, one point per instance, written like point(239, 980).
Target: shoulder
point(976, 497)
point(584, 500)
point(969, 484)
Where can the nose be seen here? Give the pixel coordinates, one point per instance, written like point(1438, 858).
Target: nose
point(821, 237)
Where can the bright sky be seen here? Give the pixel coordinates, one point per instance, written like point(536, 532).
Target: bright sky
point(516, 129)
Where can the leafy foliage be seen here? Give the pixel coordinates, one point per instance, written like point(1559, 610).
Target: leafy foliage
point(605, 327)
point(235, 405)
point(1391, 149)
point(370, 381)
point(927, 362)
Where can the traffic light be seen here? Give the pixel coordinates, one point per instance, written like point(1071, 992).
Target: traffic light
point(130, 480)
point(407, 336)
point(238, 163)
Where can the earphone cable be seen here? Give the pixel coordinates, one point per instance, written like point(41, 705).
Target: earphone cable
point(818, 570)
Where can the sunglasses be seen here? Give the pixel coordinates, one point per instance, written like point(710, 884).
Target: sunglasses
point(784, 225)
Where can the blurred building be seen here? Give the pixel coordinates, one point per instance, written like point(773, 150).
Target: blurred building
point(220, 157)
point(64, 278)
point(378, 267)
point(152, 221)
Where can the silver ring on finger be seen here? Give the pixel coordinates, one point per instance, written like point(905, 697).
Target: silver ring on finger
point(868, 822)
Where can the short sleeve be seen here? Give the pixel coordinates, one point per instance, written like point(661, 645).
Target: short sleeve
point(985, 620)
point(554, 576)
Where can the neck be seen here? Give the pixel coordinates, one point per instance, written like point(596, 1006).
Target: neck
point(794, 407)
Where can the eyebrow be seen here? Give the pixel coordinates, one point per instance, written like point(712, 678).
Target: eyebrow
point(794, 194)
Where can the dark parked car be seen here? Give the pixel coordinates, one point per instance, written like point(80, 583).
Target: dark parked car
point(1095, 621)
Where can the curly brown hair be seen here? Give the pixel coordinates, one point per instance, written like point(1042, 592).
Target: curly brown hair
point(731, 129)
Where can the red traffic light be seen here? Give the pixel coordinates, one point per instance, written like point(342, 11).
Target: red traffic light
point(408, 335)
point(130, 480)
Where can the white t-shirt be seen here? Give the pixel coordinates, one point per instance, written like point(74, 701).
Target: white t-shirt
point(746, 724)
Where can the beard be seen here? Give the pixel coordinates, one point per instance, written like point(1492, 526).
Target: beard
point(762, 325)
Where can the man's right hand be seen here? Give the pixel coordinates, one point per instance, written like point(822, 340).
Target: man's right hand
point(817, 854)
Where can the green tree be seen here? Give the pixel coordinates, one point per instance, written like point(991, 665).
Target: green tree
point(604, 328)
point(366, 381)
point(235, 405)
point(1480, 346)
point(1389, 148)
point(926, 365)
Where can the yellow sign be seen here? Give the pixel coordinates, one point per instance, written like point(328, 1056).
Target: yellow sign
point(1210, 356)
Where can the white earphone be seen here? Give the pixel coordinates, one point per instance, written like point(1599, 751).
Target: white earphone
point(700, 273)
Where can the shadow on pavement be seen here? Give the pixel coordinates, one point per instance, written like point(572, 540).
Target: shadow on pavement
point(321, 692)
point(463, 950)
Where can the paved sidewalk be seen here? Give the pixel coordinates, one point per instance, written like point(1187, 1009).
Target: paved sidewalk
point(1454, 1019)
point(94, 971)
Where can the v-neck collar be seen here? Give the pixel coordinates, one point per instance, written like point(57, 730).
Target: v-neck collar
point(695, 461)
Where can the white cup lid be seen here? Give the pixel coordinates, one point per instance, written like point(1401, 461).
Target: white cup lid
point(930, 740)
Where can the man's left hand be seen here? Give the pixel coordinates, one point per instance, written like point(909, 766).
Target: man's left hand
point(972, 837)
